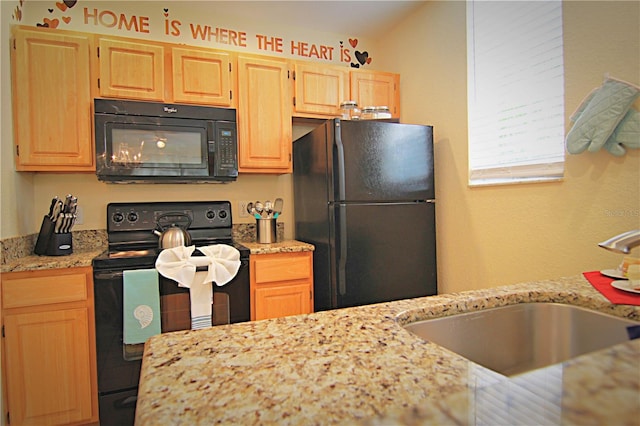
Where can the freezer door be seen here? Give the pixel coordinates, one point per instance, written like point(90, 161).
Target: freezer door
point(383, 252)
point(375, 161)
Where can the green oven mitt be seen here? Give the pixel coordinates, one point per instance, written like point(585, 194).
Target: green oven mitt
point(627, 134)
point(597, 118)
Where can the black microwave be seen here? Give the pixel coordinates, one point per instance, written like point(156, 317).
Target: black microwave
point(151, 142)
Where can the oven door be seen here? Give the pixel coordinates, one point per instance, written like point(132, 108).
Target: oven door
point(144, 147)
point(119, 364)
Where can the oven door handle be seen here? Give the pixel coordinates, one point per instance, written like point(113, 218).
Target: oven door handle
point(107, 275)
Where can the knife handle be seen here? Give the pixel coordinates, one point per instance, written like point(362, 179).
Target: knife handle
point(59, 221)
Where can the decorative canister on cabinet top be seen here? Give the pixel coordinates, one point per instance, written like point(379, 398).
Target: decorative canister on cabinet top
point(349, 110)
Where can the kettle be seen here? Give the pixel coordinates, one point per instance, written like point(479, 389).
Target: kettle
point(172, 235)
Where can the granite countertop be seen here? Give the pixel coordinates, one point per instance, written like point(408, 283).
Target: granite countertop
point(286, 246)
point(359, 366)
point(34, 262)
point(84, 255)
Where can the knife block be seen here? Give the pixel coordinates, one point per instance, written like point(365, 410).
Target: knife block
point(51, 244)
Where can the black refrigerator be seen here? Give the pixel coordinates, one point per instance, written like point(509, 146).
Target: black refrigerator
point(364, 197)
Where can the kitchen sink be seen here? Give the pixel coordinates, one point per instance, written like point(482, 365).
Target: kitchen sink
point(518, 338)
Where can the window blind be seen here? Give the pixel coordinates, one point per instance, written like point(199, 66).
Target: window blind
point(515, 91)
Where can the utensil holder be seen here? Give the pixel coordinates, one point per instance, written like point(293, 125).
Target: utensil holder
point(266, 230)
point(51, 244)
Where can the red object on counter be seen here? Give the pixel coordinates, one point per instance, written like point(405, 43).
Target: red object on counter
point(615, 296)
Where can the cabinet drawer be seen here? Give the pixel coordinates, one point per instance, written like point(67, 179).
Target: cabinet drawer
point(282, 267)
point(41, 290)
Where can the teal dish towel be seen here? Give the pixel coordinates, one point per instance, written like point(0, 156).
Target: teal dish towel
point(141, 300)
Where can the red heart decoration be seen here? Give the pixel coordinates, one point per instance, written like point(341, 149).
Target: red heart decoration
point(51, 23)
point(66, 19)
point(368, 59)
point(353, 42)
point(61, 6)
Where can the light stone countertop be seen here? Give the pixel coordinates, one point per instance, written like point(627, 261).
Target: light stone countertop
point(359, 366)
point(84, 256)
point(286, 246)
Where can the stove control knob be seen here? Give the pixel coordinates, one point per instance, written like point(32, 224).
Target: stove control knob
point(211, 214)
point(222, 214)
point(132, 216)
point(118, 217)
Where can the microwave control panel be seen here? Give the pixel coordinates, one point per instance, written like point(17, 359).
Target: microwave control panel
point(226, 156)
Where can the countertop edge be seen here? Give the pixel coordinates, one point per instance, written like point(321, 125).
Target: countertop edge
point(82, 258)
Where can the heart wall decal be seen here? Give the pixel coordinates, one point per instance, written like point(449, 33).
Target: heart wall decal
point(363, 57)
point(353, 42)
point(49, 23)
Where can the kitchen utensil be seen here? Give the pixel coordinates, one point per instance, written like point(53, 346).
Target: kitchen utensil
point(172, 235)
point(73, 205)
point(268, 208)
point(250, 208)
point(59, 220)
point(277, 207)
point(54, 202)
point(67, 203)
point(259, 207)
point(57, 209)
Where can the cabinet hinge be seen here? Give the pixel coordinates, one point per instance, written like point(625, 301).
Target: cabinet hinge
point(17, 155)
point(294, 101)
point(98, 83)
point(294, 75)
point(14, 44)
point(231, 95)
point(98, 51)
point(3, 331)
point(229, 66)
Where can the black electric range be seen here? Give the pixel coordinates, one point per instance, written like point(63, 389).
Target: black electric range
point(132, 244)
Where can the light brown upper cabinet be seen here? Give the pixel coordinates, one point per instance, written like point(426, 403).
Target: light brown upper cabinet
point(132, 69)
point(264, 115)
point(319, 89)
point(52, 100)
point(376, 88)
point(163, 72)
point(202, 76)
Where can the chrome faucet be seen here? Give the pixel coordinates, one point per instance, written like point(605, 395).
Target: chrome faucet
point(622, 243)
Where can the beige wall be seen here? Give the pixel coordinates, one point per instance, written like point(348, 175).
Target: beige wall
point(504, 234)
point(486, 236)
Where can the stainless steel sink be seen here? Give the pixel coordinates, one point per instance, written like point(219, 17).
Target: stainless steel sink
point(518, 338)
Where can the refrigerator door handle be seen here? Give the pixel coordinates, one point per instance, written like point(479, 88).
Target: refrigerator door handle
point(342, 261)
point(340, 154)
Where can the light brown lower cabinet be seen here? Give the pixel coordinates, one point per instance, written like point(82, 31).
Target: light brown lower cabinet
point(48, 347)
point(281, 284)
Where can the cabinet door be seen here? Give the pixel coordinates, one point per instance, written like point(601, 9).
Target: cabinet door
point(319, 90)
point(52, 101)
point(282, 301)
point(264, 116)
point(376, 88)
point(48, 367)
point(281, 284)
point(201, 77)
point(131, 70)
